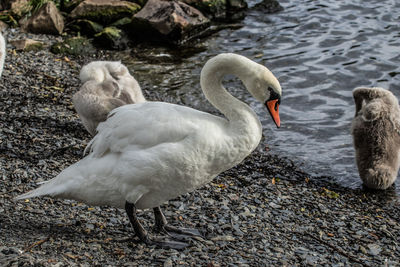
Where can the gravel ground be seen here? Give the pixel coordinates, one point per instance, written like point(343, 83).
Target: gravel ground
point(264, 212)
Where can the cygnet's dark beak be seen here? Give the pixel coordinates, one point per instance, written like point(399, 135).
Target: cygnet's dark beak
point(273, 108)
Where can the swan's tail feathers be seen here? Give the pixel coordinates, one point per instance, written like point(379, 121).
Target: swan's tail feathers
point(48, 188)
point(67, 181)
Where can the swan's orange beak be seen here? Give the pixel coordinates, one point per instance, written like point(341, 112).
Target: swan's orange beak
point(273, 108)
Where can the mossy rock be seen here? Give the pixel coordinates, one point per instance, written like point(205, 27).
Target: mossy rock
point(220, 10)
point(269, 6)
point(112, 38)
point(34, 47)
point(27, 45)
point(214, 9)
point(103, 12)
point(122, 23)
point(73, 46)
point(86, 27)
point(70, 5)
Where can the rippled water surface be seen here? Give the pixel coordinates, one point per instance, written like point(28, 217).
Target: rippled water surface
point(320, 51)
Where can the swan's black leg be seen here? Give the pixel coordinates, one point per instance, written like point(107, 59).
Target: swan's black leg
point(139, 230)
point(142, 233)
point(163, 226)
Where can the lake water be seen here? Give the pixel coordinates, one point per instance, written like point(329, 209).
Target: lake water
point(319, 50)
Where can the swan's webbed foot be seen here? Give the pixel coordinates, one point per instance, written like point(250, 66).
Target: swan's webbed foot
point(174, 232)
point(142, 233)
point(168, 244)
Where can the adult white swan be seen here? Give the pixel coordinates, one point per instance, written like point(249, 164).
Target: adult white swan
point(106, 85)
point(2, 53)
point(145, 154)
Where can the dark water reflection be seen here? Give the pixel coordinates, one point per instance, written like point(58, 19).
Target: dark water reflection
point(319, 50)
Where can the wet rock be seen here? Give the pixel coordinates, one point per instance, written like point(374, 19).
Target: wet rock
point(86, 27)
point(46, 20)
point(27, 45)
point(219, 9)
point(235, 9)
point(212, 9)
point(69, 5)
point(112, 38)
point(167, 21)
point(269, 6)
point(104, 11)
point(122, 23)
point(73, 46)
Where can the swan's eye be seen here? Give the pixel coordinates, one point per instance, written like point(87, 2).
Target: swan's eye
point(274, 95)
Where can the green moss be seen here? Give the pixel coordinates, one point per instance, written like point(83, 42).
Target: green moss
point(34, 47)
point(111, 38)
point(73, 46)
point(213, 8)
point(86, 27)
point(112, 32)
point(8, 18)
point(37, 4)
point(109, 15)
point(122, 22)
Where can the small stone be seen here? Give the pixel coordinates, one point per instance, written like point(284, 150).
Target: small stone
point(363, 250)
point(374, 249)
point(168, 263)
point(27, 45)
point(223, 238)
point(274, 205)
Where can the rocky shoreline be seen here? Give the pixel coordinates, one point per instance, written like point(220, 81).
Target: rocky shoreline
point(264, 212)
point(117, 24)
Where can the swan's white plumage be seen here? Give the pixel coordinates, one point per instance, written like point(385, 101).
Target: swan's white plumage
point(152, 152)
point(2, 53)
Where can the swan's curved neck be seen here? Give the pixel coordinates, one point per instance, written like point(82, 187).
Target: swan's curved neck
point(239, 114)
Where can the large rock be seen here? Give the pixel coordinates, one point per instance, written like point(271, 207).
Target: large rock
point(69, 6)
point(46, 20)
point(73, 46)
point(86, 27)
point(104, 11)
point(167, 21)
point(214, 9)
point(269, 6)
point(112, 38)
point(219, 9)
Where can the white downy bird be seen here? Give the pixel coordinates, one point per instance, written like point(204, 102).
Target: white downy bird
point(106, 85)
point(376, 136)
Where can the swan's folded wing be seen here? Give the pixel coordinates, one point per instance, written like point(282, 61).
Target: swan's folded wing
point(145, 125)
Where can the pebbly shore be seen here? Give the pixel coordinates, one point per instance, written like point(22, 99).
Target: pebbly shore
point(264, 212)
